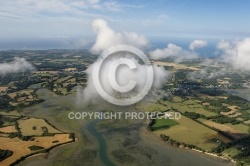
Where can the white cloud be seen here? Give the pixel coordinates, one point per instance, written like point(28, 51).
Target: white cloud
point(55, 17)
point(115, 6)
point(207, 73)
point(107, 37)
point(90, 96)
point(53, 6)
point(47, 17)
point(236, 53)
point(63, 7)
point(197, 44)
point(173, 50)
point(18, 65)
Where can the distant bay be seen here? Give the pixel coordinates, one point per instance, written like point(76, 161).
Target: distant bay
point(244, 93)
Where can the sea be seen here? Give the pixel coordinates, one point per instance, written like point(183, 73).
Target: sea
point(74, 43)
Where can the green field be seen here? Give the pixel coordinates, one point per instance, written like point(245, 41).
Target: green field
point(163, 124)
point(64, 60)
point(33, 126)
point(7, 124)
point(44, 74)
point(63, 79)
point(189, 106)
point(11, 115)
point(240, 127)
point(191, 132)
point(150, 107)
point(230, 152)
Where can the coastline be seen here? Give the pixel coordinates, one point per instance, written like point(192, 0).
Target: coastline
point(212, 154)
point(45, 154)
point(147, 135)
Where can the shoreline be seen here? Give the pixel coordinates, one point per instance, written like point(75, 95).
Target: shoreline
point(47, 153)
point(147, 135)
point(145, 132)
point(212, 154)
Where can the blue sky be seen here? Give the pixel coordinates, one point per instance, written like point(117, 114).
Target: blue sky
point(70, 20)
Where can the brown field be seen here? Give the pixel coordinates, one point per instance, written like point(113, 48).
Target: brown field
point(11, 113)
point(14, 103)
point(72, 80)
point(228, 113)
point(240, 119)
point(223, 82)
point(20, 148)
point(176, 66)
point(28, 100)
point(233, 107)
point(44, 72)
point(20, 99)
point(4, 135)
point(233, 132)
point(26, 126)
point(235, 115)
point(205, 104)
point(232, 113)
point(247, 122)
point(26, 91)
point(8, 129)
point(3, 88)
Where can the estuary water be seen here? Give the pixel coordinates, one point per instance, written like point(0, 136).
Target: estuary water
point(91, 127)
point(108, 143)
point(244, 93)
